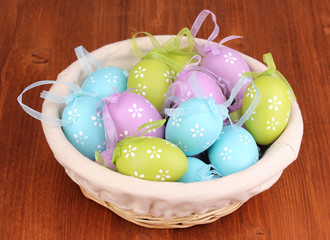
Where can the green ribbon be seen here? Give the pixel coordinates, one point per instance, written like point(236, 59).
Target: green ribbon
point(271, 71)
point(171, 47)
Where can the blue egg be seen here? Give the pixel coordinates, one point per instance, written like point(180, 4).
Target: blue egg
point(197, 171)
point(197, 128)
point(234, 151)
point(86, 131)
point(103, 80)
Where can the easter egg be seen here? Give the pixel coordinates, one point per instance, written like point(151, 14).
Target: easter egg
point(151, 78)
point(234, 151)
point(229, 65)
point(207, 84)
point(181, 60)
point(271, 115)
point(86, 131)
point(129, 112)
point(196, 126)
point(150, 158)
point(102, 81)
point(197, 171)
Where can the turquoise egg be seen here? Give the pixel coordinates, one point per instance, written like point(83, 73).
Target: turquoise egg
point(102, 81)
point(197, 171)
point(234, 151)
point(195, 125)
point(86, 131)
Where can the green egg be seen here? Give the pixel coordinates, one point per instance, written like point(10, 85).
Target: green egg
point(150, 158)
point(151, 78)
point(181, 60)
point(271, 115)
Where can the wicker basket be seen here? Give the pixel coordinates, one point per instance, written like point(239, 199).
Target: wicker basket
point(165, 204)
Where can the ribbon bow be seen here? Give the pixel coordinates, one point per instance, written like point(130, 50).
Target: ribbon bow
point(271, 71)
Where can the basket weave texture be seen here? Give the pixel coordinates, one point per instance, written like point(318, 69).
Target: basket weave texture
point(165, 204)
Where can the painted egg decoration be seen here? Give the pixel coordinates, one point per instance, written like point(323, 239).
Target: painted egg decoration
point(181, 60)
point(86, 132)
point(229, 65)
point(271, 115)
point(208, 85)
point(234, 151)
point(129, 112)
point(197, 171)
point(102, 81)
point(198, 127)
point(150, 158)
point(151, 78)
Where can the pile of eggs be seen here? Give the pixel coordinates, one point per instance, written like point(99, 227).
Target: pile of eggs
point(123, 125)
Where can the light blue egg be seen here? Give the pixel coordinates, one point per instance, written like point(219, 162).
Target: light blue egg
point(195, 132)
point(86, 132)
point(103, 80)
point(234, 151)
point(197, 171)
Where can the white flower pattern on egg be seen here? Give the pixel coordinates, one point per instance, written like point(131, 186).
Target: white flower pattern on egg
point(80, 137)
point(152, 130)
point(274, 103)
point(141, 89)
point(176, 121)
point(272, 124)
point(230, 58)
point(97, 120)
point(136, 174)
point(154, 152)
point(184, 148)
point(139, 72)
point(226, 154)
point(170, 76)
point(245, 139)
point(197, 131)
point(163, 175)
point(73, 115)
point(251, 91)
point(124, 134)
point(130, 151)
point(136, 111)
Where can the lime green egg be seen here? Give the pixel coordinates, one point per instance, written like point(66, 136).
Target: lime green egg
point(271, 115)
point(181, 60)
point(150, 158)
point(151, 78)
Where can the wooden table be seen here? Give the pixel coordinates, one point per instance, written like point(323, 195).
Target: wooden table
point(37, 198)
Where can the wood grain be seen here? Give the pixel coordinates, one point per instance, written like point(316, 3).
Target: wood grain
point(37, 198)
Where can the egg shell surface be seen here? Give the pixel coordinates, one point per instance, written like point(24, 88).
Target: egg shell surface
point(194, 133)
point(234, 151)
point(150, 158)
point(208, 85)
point(271, 115)
point(130, 112)
point(151, 78)
point(181, 60)
point(197, 171)
point(229, 65)
point(102, 81)
point(86, 132)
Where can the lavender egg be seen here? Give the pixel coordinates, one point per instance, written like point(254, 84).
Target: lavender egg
point(208, 85)
point(229, 65)
point(131, 111)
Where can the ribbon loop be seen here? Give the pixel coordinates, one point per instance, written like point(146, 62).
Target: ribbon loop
point(271, 71)
point(49, 96)
point(86, 59)
point(199, 21)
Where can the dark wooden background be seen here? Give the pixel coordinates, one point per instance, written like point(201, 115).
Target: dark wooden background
point(37, 198)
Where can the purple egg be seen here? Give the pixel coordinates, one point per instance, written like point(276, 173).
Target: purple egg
point(208, 85)
point(229, 65)
point(131, 111)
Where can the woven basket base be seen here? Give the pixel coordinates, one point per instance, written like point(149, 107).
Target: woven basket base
point(150, 221)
